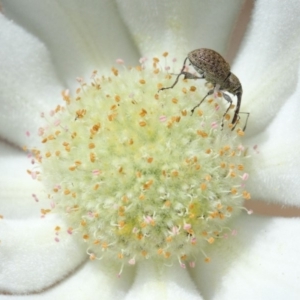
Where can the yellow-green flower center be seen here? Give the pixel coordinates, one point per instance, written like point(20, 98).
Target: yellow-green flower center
point(135, 174)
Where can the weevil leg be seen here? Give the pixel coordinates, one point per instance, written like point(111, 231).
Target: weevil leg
point(181, 72)
point(245, 126)
point(246, 123)
point(209, 93)
point(228, 99)
point(187, 75)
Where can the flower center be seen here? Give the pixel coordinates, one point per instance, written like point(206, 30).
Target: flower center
point(135, 174)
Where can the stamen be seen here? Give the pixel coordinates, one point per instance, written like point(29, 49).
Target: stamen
point(135, 175)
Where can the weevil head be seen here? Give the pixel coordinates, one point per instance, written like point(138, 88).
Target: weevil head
point(234, 85)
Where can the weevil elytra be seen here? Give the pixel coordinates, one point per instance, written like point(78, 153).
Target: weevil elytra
point(214, 69)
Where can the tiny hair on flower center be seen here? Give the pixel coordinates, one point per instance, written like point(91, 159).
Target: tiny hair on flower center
point(135, 174)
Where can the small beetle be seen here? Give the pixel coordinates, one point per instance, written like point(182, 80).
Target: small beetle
point(214, 69)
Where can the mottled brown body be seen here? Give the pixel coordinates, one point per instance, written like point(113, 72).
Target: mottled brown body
point(214, 69)
point(211, 64)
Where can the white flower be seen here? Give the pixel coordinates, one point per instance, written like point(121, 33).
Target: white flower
point(66, 41)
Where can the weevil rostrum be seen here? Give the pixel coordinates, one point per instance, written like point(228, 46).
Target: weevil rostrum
point(214, 69)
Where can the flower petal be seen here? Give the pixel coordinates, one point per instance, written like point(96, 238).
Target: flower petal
point(91, 281)
point(261, 262)
point(30, 258)
point(28, 83)
point(162, 282)
point(277, 164)
point(179, 27)
point(21, 196)
point(81, 36)
point(268, 62)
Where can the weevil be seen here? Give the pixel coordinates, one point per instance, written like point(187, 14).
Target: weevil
point(214, 69)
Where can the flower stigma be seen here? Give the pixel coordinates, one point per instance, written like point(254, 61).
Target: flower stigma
point(135, 175)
